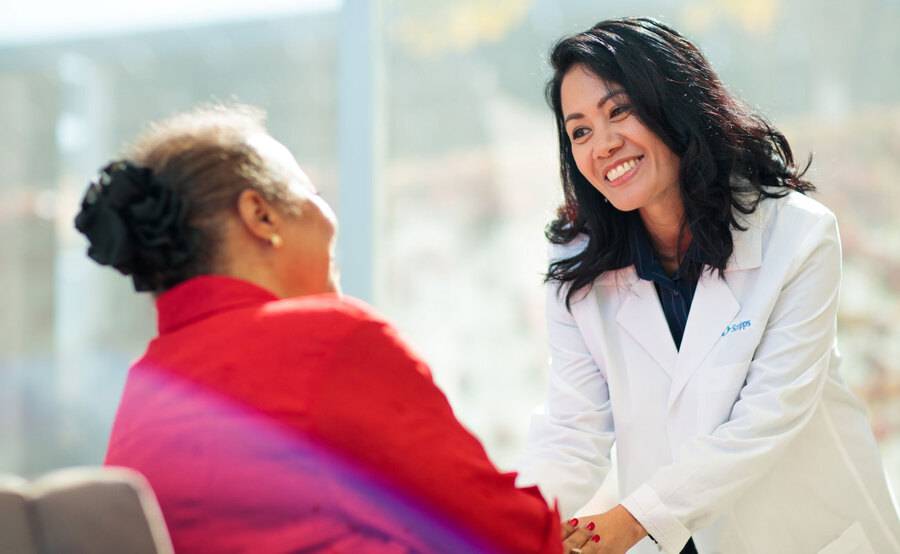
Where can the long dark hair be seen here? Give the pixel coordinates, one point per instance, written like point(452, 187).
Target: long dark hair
point(730, 158)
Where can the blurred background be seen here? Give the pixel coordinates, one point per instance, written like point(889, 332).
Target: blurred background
point(424, 125)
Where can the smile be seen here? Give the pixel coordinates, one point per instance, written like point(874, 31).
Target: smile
point(622, 172)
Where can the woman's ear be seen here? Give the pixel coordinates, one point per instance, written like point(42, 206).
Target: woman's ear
point(258, 216)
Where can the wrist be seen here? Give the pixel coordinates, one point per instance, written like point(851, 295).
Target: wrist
point(636, 530)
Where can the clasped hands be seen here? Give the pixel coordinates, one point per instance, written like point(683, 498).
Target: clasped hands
point(612, 532)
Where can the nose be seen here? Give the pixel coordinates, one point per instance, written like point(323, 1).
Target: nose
point(605, 142)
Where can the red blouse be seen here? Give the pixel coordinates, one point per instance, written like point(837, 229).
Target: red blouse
point(306, 424)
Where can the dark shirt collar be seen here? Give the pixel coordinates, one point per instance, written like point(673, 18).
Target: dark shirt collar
point(205, 296)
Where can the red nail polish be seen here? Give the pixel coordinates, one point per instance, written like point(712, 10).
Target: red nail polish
point(573, 522)
point(596, 538)
point(590, 526)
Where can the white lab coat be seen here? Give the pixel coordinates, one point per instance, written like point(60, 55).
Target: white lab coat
point(747, 439)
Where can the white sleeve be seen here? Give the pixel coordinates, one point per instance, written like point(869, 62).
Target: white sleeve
point(567, 454)
point(783, 388)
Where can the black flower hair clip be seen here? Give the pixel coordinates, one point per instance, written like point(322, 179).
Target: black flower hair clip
point(134, 224)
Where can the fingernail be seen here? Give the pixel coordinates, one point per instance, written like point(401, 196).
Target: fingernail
point(573, 522)
point(596, 538)
point(590, 526)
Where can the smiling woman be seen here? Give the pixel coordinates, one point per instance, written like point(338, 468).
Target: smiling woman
point(610, 146)
point(684, 222)
point(634, 96)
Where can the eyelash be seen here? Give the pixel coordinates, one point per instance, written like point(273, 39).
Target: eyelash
point(620, 109)
point(613, 114)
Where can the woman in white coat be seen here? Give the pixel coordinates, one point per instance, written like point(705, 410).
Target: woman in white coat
point(692, 306)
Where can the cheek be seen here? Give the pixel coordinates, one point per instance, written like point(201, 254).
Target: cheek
point(327, 218)
point(671, 164)
point(666, 161)
point(583, 161)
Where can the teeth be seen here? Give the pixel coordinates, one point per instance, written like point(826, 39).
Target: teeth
point(620, 169)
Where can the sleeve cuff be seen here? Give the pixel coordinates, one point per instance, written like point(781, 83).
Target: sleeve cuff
point(646, 507)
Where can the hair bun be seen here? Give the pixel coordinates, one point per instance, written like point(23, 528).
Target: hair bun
point(134, 224)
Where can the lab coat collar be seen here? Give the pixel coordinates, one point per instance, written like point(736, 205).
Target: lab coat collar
point(713, 307)
point(747, 252)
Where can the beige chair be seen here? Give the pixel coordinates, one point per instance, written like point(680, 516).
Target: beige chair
point(81, 511)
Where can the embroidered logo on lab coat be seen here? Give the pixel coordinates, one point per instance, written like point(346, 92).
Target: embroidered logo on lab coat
point(735, 327)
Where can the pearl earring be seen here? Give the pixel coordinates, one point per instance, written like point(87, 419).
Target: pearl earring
point(275, 241)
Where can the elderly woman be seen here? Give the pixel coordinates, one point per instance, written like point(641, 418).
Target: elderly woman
point(271, 414)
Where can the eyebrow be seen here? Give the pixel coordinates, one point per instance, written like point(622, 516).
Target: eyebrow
point(600, 104)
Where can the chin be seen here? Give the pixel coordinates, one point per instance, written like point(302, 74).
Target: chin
point(627, 201)
point(332, 285)
point(625, 204)
point(334, 279)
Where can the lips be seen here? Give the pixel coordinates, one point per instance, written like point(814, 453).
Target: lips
point(621, 171)
point(611, 173)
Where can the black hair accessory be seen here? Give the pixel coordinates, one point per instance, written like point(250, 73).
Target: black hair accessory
point(134, 224)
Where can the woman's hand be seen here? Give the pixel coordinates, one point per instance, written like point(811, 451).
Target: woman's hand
point(612, 532)
point(578, 540)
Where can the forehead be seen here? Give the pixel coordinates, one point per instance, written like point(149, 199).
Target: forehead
point(581, 87)
point(279, 159)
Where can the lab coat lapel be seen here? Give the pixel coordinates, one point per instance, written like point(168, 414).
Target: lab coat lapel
point(714, 306)
point(642, 317)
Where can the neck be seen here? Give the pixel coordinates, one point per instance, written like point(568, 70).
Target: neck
point(255, 274)
point(262, 275)
point(667, 229)
point(250, 259)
